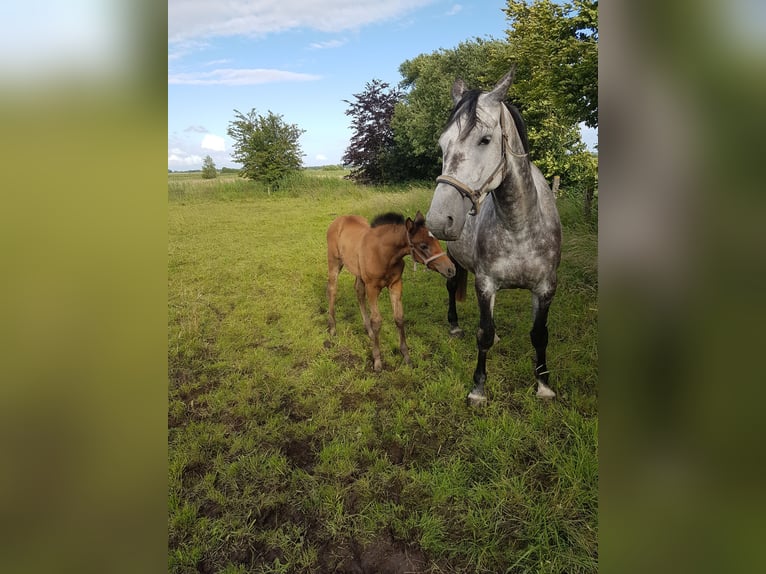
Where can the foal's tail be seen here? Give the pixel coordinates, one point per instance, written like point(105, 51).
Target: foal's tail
point(461, 279)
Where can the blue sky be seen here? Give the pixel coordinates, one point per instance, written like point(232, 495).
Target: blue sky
point(300, 59)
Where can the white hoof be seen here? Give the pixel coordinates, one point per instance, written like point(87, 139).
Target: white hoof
point(476, 399)
point(497, 339)
point(544, 391)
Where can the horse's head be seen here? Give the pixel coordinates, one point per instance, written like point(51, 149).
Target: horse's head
point(473, 150)
point(426, 249)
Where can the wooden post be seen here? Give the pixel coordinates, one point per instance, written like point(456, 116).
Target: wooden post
point(556, 183)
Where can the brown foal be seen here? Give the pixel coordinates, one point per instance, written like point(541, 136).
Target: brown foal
point(374, 254)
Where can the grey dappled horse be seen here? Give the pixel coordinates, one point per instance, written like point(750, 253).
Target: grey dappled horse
point(498, 215)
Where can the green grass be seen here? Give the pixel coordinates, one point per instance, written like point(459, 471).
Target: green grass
point(287, 453)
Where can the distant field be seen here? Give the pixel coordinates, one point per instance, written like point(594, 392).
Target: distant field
point(287, 453)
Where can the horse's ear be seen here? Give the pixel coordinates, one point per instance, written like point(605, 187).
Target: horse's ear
point(499, 92)
point(419, 219)
point(457, 90)
point(409, 224)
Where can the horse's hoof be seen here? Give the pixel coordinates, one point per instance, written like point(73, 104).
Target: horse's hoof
point(476, 399)
point(456, 332)
point(544, 391)
point(377, 366)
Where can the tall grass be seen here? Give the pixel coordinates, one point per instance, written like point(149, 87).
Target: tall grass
point(288, 453)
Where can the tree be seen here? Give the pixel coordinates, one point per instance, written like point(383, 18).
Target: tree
point(266, 146)
point(426, 104)
point(555, 50)
point(208, 168)
point(371, 147)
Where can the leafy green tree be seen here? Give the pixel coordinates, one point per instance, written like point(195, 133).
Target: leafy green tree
point(267, 147)
point(208, 168)
point(370, 150)
point(555, 50)
point(425, 107)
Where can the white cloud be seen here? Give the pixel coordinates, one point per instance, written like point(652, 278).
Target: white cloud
point(320, 157)
point(455, 10)
point(213, 142)
point(202, 18)
point(217, 62)
point(327, 44)
point(180, 159)
point(238, 77)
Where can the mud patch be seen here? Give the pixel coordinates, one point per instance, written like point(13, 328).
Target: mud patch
point(385, 556)
point(301, 453)
point(210, 509)
point(346, 358)
point(193, 473)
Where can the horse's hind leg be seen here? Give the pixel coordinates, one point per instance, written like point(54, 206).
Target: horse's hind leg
point(334, 267)
point(539, 336)
point(456, 286)
point(395, 293)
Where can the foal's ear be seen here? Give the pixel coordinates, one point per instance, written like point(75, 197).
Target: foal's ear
point(409, 225)
point(499, 92)
point(419, 219)
point(457, 90)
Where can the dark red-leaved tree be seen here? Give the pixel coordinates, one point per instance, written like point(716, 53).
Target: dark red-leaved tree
point(373, 139)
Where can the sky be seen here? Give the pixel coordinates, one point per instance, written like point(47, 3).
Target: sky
point(299, 59)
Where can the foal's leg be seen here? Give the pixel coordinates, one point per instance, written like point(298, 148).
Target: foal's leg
point(539, 336)
point(333, 270)
point(395, 293)
point(361, 296)
point(453, 284)
point(485, 338)
point(375, 322)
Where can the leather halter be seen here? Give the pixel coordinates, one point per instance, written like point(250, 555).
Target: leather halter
point(476, 196)
point(419, 252)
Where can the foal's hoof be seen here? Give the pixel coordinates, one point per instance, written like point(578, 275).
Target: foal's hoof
point(377, 366)
point(544, 391)
point(456, 332)
point(476, 399)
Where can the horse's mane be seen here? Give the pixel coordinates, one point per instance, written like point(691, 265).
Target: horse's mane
point(390, 218)
point(467, 106)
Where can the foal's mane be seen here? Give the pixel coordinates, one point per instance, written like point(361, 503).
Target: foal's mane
point(389, 218)
point(467, 106)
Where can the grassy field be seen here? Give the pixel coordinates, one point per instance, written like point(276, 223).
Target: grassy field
point(287, 453)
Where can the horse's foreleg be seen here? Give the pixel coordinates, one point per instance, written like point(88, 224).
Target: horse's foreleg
point(485, 338)
point(453, 285)
point(333, 270)
point(375, 322)
point(395, 293)
point(539, 336)
point(361, 297)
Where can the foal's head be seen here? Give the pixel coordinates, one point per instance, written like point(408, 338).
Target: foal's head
point(426, 249)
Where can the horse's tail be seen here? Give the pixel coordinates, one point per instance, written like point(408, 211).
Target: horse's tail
point(461, 278)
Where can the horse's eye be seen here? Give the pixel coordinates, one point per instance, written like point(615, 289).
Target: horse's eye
point(424, 246)
point(485, 140)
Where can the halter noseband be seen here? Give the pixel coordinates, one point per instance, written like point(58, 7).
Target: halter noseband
point(419, 252)
point(477, 195)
